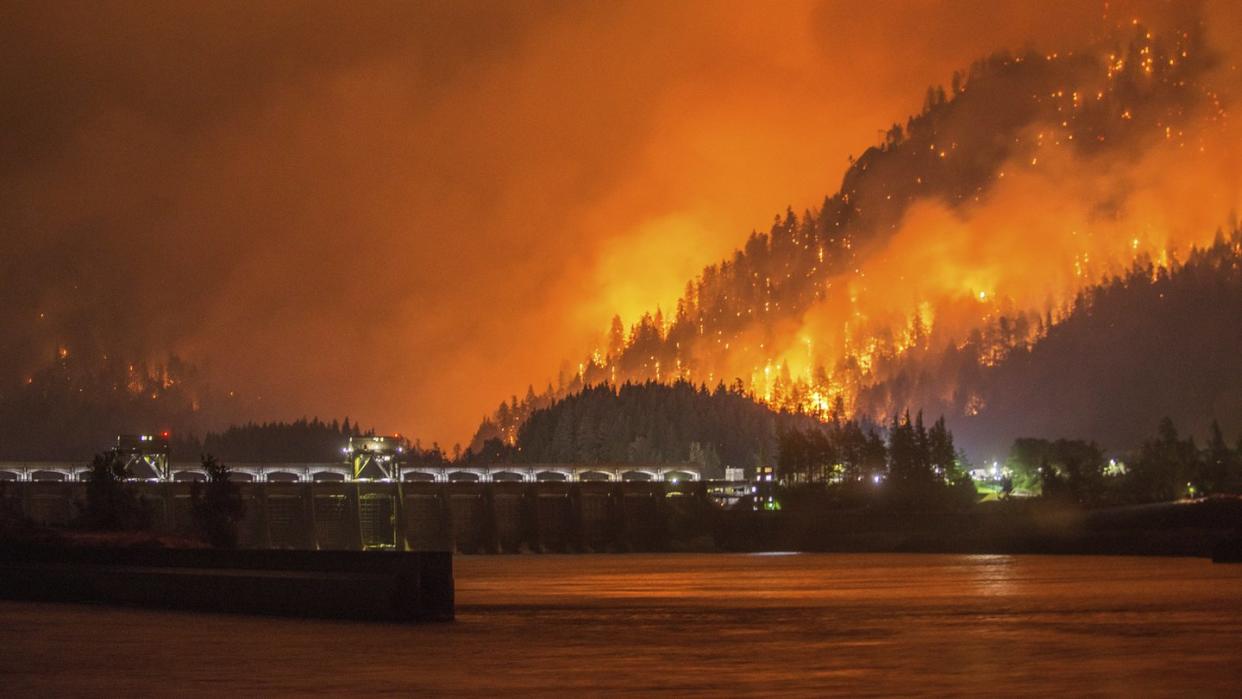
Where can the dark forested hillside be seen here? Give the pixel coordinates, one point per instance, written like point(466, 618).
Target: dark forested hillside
point(736, 312)
point(309, 441)
point(742, 318)
point(1157, 341)
point(300, 441)
point(652, 422)
point(79, 401)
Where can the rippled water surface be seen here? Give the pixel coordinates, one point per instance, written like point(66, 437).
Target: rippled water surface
point(690, 625)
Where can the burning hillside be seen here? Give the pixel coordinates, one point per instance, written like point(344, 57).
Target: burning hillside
point(972, 225)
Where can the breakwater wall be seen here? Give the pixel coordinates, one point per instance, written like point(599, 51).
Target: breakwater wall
point(374, 586)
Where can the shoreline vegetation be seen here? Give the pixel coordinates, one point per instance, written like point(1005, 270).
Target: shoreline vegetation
point(1189, 528)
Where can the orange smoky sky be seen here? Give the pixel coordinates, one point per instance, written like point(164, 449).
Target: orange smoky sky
point(405, 212)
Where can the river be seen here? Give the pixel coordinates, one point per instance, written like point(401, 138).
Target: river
point(689, 625)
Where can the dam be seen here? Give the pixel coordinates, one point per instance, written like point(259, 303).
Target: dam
point(468, 517)
point(372, 499)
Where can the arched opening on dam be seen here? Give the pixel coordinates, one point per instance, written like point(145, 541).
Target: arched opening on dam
point(638, 476)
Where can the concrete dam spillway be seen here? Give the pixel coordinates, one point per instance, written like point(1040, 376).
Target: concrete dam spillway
point(468, 517)
point(375, 499)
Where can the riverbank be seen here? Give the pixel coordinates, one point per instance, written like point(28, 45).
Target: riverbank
point(1188, 528)
point(504, 520)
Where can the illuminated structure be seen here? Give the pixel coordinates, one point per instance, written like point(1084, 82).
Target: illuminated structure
point(764, 489)
point(145, 456)
point(343, 472)
point(373, 459)
point(376, 458)
point(372, 497)
point(379, 509)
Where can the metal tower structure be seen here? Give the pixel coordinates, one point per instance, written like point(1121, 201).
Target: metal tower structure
point(145, 456)
point(376, 458)
point(376, 465)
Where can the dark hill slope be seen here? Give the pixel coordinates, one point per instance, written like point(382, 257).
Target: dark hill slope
point(1156, 342)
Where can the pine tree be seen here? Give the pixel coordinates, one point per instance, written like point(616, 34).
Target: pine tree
point(942, 454)
point(217, 506)
point(616, 339)
point(1219, 463)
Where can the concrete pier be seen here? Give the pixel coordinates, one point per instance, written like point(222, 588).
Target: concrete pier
point(375, 586)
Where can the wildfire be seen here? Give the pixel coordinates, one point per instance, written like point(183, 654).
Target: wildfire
point(826, 314)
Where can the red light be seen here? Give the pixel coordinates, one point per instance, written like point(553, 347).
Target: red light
point(165, 435)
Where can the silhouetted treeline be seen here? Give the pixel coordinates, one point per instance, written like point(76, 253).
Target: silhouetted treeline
point(911, 465)
point(502, 425)
point(652, 422)
point(300, 441)
point(1168, 466)
point(217, 505)
point(309, 441)
point(1158, 340)
point(111, 504)
point(79, 401)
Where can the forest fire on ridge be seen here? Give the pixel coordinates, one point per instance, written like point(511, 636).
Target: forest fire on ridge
point(502, 180)
point(973, 226)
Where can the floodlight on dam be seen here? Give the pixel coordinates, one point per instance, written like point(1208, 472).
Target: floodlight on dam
point(145, 456)
point(376, 458)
